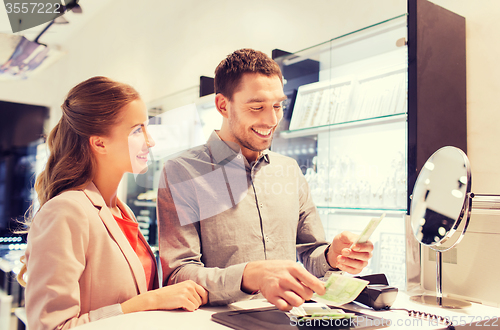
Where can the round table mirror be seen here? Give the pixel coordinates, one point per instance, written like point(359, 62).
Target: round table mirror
point(440, 211)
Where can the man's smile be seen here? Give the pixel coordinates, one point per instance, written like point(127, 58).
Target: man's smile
point(264, 133)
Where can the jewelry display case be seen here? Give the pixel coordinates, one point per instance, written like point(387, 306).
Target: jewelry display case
point(367, 108)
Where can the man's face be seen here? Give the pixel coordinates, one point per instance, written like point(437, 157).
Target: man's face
point(255, 111)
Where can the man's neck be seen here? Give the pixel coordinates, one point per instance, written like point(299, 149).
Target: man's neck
point(250, 155)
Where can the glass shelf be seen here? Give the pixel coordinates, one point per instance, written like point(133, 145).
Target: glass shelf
point(359, 36)
point(363, 210)
point(309, 131)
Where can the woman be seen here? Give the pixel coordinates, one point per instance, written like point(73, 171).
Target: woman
point(86, 258)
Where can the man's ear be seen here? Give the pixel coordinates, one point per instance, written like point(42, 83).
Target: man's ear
point(97, 144)
point(221, 103)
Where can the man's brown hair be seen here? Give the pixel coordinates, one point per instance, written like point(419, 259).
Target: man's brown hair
point(230, 70)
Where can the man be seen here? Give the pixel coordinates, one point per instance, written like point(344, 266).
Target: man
point(233, 216)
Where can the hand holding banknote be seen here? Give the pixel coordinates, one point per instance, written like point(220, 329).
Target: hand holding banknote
point(284, 283)
point(341, 290)
point(347, 255)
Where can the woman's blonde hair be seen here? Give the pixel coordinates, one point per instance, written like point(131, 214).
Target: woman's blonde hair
point(91, 108)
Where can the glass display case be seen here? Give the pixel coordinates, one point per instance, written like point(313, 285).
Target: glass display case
point(348, 132)
point(360, 121)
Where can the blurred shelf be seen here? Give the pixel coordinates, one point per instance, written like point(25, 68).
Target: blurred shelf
point(398, 117)
point(145, 203)
point(361, 210)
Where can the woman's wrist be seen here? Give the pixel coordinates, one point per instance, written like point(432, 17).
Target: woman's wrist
point(143, 302)
point(151, 300)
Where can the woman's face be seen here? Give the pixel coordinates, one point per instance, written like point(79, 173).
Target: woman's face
point(128, 142)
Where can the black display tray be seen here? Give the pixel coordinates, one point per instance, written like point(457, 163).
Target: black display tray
point(273, 319)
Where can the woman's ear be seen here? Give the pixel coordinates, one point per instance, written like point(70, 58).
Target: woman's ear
point(221, 103)
point(97, 144)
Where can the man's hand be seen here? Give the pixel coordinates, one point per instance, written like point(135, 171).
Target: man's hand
point(351, 260)
point(284, 284)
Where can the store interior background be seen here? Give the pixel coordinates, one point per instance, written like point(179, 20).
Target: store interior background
point(162, 48)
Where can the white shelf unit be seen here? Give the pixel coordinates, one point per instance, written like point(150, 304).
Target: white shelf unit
point(362, 133)
point(357, 115)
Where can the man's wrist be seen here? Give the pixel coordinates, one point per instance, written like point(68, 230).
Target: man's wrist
point(247, 284)
point(326, 257)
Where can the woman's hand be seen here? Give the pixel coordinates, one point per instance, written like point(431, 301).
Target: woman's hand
point(186, 295)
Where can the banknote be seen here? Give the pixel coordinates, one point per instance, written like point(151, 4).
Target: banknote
point(311, 311)
point(369, 229)
point(341, 290)
point(314, 308)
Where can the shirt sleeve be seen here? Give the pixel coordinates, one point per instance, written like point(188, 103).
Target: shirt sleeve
point(56, 258)
point(180, 247)
point(311, 243)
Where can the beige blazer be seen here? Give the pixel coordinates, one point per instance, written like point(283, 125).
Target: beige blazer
point(80, 266)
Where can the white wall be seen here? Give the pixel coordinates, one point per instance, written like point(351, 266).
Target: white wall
point(161, 47)
point(483, 87)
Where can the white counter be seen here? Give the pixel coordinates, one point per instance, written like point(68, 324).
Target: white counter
point(400, 319)
point(201, 319)
point(164, 320)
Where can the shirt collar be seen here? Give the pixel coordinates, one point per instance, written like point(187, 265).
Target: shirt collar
point(221, 152)
point(265, 154)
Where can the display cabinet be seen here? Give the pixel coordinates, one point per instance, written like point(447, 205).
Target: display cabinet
point(364, 112)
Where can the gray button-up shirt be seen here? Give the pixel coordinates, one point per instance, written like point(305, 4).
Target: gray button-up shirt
point(217, 212)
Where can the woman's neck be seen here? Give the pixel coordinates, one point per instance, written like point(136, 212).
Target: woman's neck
point(107, 184)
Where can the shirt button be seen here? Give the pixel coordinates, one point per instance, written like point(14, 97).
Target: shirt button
point(267, 238)
point(261, 205)
point(239, 156)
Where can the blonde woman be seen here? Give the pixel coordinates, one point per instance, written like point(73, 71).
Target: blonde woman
point(86, 259)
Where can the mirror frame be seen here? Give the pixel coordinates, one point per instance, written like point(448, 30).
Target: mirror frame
point(451, 238)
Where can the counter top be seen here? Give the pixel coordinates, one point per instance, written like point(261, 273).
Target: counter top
point(164, 320)
point(201, 319)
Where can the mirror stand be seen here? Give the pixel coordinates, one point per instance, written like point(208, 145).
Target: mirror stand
point(440, 212)
point(438, 300)
point(480, 203)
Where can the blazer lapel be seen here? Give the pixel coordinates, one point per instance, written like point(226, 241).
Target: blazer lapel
point(130, 214)
point(116, 233)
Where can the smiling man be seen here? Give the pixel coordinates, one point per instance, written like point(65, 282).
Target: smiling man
point(234, 216)
point(251, 109)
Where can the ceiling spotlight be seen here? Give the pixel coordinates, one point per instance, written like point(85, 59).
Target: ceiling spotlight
point(73, 6)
